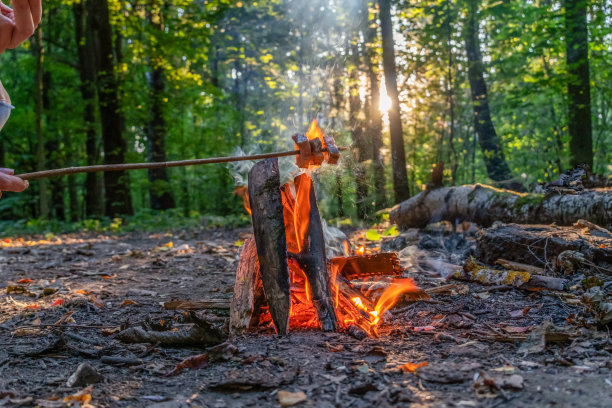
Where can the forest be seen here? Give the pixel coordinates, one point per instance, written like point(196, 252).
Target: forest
point(505, 92)
point(306, 203)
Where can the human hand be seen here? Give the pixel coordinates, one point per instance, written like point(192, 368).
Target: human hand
point(8, 182)
point(18, 24)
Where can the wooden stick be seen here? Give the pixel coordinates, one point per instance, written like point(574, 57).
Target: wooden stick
point(157, 165)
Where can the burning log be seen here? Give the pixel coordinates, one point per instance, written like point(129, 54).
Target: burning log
point(248, 290)
point(269, 228)
point(484, 205)
point(312, 259)
point(359, 267)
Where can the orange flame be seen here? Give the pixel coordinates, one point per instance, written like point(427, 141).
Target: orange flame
point(361, 250)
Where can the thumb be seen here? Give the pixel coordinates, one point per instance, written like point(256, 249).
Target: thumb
point(10, 172)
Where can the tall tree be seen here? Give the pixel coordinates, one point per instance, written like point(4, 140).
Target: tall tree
point(159, 190)
point(490, 143)
point(398, 153)
point(578, 85)
point(118, 200)
point(87, 74)
point(38, 49)
point(373, 130)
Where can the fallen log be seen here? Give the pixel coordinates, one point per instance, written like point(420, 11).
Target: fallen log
point(539, 245)
point(248, 290)
point(485, 205)
point(312, 259)
point(269, 229)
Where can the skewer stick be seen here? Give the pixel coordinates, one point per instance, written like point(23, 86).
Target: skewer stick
point(155, 165)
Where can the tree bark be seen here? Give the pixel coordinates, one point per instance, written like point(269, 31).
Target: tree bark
point(398, 153)
point(38, 48)
point(160, 196)
point(490, 144)
point(356, 126)
point(87, 74)
point(485, 205)
point(578, 85)
point(373, 132)
point(116, 184)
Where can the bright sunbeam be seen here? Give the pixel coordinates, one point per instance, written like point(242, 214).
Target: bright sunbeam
point(385, 101)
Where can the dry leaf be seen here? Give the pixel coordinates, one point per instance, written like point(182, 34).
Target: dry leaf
point(289, 399)
point(193, 363)
point(127, 302)
point(411, 367)
point(82, 397)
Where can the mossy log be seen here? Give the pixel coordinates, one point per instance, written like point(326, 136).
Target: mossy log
point(484, 205)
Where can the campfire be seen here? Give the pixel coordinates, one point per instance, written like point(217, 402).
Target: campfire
point(284, 278)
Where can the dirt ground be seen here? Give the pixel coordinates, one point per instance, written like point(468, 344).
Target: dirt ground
point(472, 337)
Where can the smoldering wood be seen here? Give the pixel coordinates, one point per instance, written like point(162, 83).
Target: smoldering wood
point(248, 290)
point(316, 150)
point(303, 144)
point(270, 239)
point(313, 261)
point(359, 267)
point(484, 205)
point(333, 153)
point(539, 245)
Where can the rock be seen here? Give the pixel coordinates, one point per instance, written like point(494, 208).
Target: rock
point(83, 376)
point(428, 242)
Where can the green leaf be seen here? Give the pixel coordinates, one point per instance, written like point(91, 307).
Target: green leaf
point(392, 231)
point(372, 235)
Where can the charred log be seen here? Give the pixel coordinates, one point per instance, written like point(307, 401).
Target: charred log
point(313, 261)
point(269, 227)
point(359, 267)
point(485, 205)
point(248, 290)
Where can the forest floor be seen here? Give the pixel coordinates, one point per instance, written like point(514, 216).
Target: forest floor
point(472, 355)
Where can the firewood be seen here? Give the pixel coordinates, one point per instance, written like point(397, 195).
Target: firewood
point(303, 144)
point(358, 267)
point(484, 205)
point(248, 290)
point(316, 149)
point(269, 229)
point(313, 261)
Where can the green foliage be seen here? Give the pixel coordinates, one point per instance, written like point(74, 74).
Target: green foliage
point(249, 74)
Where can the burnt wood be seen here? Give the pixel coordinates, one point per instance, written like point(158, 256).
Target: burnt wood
point(357, 267)
point(269, 229)
point(248, 290)
point(313, 261)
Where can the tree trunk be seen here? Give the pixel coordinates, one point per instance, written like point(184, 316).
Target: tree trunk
point(159, 190)
point(485, 205)
point(87, 74)
point(398, 153)
point(116, 184)
point(356, 126)
point(490, 144)
point(578, 86)
point(38, 48)
point(373, 131)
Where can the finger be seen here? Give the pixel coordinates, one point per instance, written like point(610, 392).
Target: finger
point(24, 26)
point(36, 10)
point(10, 172)
point(6, 32)
point(12, 183)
